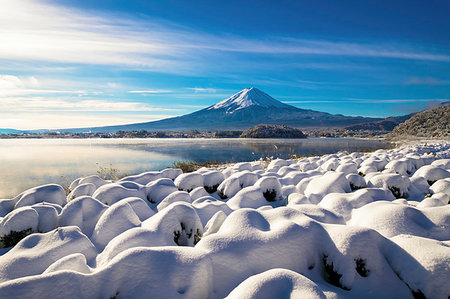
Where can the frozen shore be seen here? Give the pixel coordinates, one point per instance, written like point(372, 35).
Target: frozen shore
point(359, 225)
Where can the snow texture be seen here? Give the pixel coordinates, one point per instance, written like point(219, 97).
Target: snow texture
point(359, 225)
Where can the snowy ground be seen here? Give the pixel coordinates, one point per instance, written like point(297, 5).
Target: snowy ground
point(360, 225)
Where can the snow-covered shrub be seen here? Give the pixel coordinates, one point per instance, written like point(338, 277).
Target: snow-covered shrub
point(348, 167)
point(441, 186)
point(140, 207)
point(92, 179)
point(197, 193)
point(189, 181)
point(366, 169)
point(378, 163)
point(297, 199)
point(178, 222)
point(271, 188)
point(287, 169)
point(249, 197)
point(206, 207)
point(214, 223)
point(330, 165)
point(6, 206)
point(143, 178)
point(396, 183)
point(48, 217)
point(116, 219)
point(402, 166)
point(171, 173)
point(356, 181)
point(277, 283)
point(82, 189)
point(293, 178)
point(111, 193)
point(212, 180)
point(330, 182)
point(442, 163)
point(159, 189)
point(18, 224)
point(241, 166)
point(181, 196)
point(229, 187)
point(35, 253)
point(51, 193)
point(246, 178)
point(83, 212)
point(432, 173)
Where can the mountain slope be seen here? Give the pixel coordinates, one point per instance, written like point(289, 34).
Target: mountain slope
point(244, 109)
point(429, 123)
point(387, 124)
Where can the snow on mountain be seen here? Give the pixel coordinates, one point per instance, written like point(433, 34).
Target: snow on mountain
point(246, 98)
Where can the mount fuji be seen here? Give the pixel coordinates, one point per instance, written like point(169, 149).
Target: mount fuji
point(247, 108)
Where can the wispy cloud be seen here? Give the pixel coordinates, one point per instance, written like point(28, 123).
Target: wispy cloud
point(426, 81)
point(151, 91)
point(36, 30)
point(366, 101)
point(202, 90)
point(28, 120)
point(59, 104)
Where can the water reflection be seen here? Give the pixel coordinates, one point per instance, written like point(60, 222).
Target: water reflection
point(26, 163)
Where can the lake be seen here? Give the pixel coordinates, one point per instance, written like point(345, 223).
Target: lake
point(25, 163)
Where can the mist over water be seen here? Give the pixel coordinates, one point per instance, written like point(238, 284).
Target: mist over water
point(26, 163)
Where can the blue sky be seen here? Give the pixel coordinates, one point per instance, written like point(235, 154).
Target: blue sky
point(92, 63)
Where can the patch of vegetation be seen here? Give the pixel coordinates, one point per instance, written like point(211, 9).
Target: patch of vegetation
point(396, 192)
point(270, 195)
point(431, 123)
point(14, 237)
point(361, 267)
point(222, 195)
point(191, 166)
point(272, 131)
point(109, 173)
point(211, 189)
point(116, 296)
point(354, 187)
point(330, 275)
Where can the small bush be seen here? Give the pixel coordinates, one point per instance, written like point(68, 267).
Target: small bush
point(361, 267)
point(109, 173)
point(191, 166)
point(14, 237)
point(270, 195)
point(330, 275)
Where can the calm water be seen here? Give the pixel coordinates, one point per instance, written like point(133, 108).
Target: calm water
point(26, 163)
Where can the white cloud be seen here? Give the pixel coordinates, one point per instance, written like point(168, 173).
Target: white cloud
point(426, 81)
point(29, 121)
point(150, 91)
point(202, 90)
point(36, 30)
point(11, 104)
point(366, 101)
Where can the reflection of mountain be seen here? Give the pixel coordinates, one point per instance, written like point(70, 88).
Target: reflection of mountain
point(245, 109)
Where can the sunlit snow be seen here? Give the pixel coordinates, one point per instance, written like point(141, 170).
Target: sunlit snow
point(358, 225)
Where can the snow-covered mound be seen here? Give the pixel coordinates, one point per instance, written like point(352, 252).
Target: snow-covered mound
point(359, 225)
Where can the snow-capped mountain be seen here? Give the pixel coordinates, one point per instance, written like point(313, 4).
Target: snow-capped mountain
point(245, 109)
point(246, 98)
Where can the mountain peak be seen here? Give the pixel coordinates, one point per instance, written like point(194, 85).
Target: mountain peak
point(246, 98)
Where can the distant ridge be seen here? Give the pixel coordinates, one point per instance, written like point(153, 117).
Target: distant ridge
point(429, 123)
point(247, 108)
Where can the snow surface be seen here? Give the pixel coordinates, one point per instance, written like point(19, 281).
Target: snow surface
point(359, 225)
point(246, 98)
